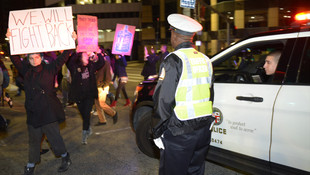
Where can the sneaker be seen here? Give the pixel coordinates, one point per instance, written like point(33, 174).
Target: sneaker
point(115, 118)
point(128, 103)
point(95, 113)
point(100, 123)
point(43, 151)
point(89, 131)
point(28, 170)
point(10, 102)
point(65, 163)
point(84, 137)
point(113, 104)
point(70, 104)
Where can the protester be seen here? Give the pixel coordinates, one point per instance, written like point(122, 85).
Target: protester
point(6, 81)
point(83, 90)
point(18, 78)
point(44, 110)
point(150, 61)
point(162, 55)
point(1, 80)
point(49, 57)
point(183, 102)
point(104, 78)
point(120, 72)
point(65, 85)
point(112, 63)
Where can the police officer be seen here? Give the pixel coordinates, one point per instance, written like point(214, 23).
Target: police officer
point(183, 102)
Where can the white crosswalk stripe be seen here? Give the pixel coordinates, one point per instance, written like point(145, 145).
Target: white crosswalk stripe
point(134, 71)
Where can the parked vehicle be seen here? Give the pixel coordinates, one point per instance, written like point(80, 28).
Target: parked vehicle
point(262, 123)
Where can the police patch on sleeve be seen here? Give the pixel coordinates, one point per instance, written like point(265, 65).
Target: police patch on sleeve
point(162, 74)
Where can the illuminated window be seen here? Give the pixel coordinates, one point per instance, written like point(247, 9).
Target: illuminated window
point(83, 2)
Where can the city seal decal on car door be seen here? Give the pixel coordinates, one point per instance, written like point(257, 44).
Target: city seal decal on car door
point(218, 116)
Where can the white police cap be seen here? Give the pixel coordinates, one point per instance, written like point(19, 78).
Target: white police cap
point(183, 24)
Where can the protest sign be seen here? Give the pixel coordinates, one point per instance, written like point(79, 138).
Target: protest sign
point(41, 30)
point(87, 30)
point(123, 39)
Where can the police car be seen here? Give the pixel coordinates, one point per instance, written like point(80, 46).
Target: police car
point(262, 123)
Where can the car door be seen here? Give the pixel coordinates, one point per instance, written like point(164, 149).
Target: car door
point(244, 97)
point(290, 129)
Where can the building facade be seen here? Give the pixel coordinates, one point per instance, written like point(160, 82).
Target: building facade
point(224, 21)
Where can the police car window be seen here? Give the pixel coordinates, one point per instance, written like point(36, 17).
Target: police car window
point(304, 70)
point(245, 65)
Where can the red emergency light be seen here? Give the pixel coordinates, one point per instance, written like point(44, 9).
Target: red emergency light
point(303, 16)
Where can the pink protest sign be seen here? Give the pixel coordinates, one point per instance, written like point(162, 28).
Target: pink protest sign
point(123, 39)
point(41, 30)
point(87, 30)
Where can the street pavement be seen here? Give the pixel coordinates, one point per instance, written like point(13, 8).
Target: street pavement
point(111, 149)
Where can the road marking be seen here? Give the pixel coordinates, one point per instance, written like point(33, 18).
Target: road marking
point(111, 131)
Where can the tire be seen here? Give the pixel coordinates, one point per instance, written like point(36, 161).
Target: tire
point(144, 137)
point(139, 114)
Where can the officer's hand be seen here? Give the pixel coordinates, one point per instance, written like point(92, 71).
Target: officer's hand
point(159, 143)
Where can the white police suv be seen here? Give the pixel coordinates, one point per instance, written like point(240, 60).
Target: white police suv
point(262, 122)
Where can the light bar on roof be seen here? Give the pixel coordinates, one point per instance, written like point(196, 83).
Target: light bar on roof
point(302, 16)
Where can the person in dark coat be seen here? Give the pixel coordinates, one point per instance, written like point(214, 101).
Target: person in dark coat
point(120, 72)
point(83, 89)
point(6, 81)
point(44, 110)
point(49, 57)
point(19, 79)
point(150, 61)
point(162, 55)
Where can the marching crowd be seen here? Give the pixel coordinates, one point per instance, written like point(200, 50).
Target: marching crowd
point(183, 97)
point(83, 78)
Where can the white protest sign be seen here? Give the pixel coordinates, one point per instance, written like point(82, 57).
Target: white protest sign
point(41, 30)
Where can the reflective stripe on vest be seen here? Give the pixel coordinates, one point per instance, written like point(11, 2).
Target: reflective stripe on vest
point(193, 91)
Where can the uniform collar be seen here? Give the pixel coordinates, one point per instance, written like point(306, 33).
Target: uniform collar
point(184, 45)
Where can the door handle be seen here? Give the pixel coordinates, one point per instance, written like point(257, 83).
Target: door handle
point(253, 99)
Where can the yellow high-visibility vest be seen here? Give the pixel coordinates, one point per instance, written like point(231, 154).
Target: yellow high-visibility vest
point(192, 95)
